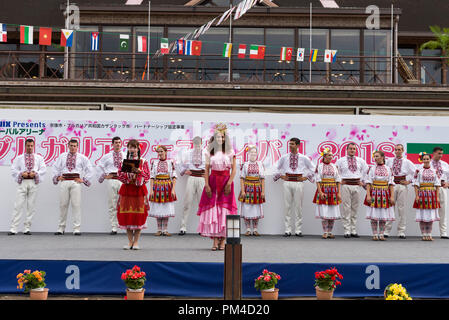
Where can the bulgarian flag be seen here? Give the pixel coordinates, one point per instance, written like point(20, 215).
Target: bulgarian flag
point(227, 50)
point(413, 150)
point(286, 53)
point(164, 46)
point(256, 51)
point(26, 34)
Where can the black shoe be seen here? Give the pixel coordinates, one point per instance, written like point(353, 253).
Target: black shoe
point(354, 235)
point(347, 235)
point(287, 234)
point(181, 233)
point(28, 233)
point(77, 233)
point(11, 233)
point(444, 237)
point(299, 235)
point(386, 236)
point(402, 237)
point(113, 233)
point(59, 233)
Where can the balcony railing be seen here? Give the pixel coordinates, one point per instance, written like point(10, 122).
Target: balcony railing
point(117, 66)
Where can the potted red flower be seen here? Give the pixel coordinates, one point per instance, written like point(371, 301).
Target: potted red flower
point(135, 280)
point(326, 282)
point(266, 283)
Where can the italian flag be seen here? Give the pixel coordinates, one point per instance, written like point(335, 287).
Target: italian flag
point(413, 150)
point(227, 50)
point(26, 34)
point(164, 45)
point(256, 51)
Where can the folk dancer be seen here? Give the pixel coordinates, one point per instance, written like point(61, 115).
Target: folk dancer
point(108, 170)
point(71, 169)
point(28, 171)
point(403, 172)
point(162, 190)
point(218, 199)
point(252, 194)
point(132, 204)
point(352, 170)
point(294, 168)
point(379, 196)
point(327, 196)
point(442, 169)
point(427, 202)
point(193, 165)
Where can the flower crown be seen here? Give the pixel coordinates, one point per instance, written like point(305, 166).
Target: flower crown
point(250, 147)
point(421, 155)
point(221, 127)
point(325, 151)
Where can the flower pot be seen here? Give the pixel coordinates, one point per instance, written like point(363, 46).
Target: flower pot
point(324, 294)
point(135, 294)
point(39, 294)
point(270, 294)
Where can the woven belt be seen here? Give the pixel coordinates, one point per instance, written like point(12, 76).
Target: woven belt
point(327, 181)
point(426, 185)
point(252, 179)
point(70, 176)
point(379, 183)
point(27, 178)
point(197, 173)
point(293, 177)
point(163, 177)
point(352, 182)
point(398, 179)
point(114, 175)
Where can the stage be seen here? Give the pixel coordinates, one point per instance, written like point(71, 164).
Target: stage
point(185, 266)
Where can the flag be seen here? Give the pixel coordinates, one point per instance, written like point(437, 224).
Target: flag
point(45, 36)
point(188, 48)
point(180, 44)
point(196, 48)
point(94, 41)
point(3, 33)
point(141, 44)
point(242, 51)
point(286, 53)
point(26, 34)
point(329, 55)
point(227, 50)
point(313, 55)
point(300, 54)
point(256, 51)
point(164, 46)
point(413, 150)
point(66, 38)
point(124, 42)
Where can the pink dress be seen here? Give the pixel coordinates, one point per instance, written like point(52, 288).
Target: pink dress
point(213, 210)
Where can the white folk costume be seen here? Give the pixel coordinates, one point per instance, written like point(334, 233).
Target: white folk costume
point(327, 209)
point(162, 205)
point(252, 173)
point(195, 162)
point(352, 170)
point(294, 166)
point(402, 169)
point(442, 170)
point(427, 208)
point(27, 188)
point(71, 166)
point(109, 164)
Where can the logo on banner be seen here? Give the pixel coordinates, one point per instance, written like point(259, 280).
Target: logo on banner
point(373, 280)
point(73, 280)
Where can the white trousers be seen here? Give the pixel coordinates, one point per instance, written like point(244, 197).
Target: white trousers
point(70, 193)
point(25, 197)
point(113, 186)
point(194, 189)
point(350, 202)
point(400, 196)
point(293, 198)
point(442, 211)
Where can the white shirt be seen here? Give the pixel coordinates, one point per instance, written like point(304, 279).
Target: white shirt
point(408, 168)
point(304, 166)
point(82, 166)
point(327, 171)
point(444, 167)
point(379, 173)
point(18, 167)
point(189, 163)
point(244, 172)
point(345, 173)
point(158, 168)
point(106, 165)
point(426, 176)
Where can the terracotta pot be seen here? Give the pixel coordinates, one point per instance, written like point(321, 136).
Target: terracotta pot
point(324, 294)
point(270, 294)
point(135, 295)
point(39, 294)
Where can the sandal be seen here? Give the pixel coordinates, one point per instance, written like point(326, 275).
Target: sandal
point(375, 238)
point(381, 238)
point(255, 233)
point(158, 234)
point(248, 233)
point(330, 236)
point(324, 236)
point(214, 248)
point(221, 243)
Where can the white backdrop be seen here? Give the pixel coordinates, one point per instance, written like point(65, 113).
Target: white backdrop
point(314, 129)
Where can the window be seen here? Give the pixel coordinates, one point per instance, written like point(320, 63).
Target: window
point(277, 69)
point(377, 66)
point(346, 68)
point(320, 40)
point(247, 69)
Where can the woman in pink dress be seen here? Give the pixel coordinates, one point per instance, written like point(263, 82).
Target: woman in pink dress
point(217, 199)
